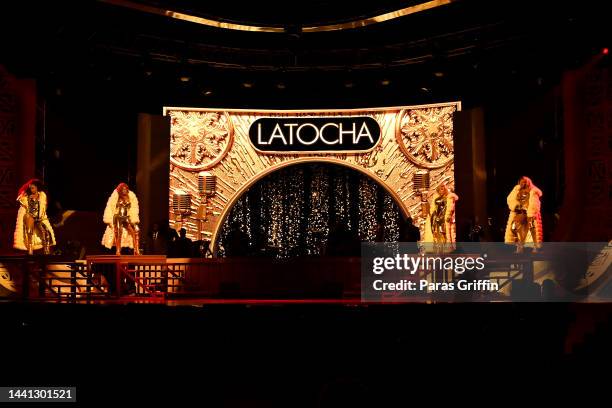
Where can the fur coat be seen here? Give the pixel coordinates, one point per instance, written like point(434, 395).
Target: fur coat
point(533, 210)
point(108, 239)
point(19, 237)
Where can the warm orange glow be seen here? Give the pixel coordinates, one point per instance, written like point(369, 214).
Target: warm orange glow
point(217, 141)
point(272, 29)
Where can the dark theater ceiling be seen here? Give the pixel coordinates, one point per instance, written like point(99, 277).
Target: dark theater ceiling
point(172, 51)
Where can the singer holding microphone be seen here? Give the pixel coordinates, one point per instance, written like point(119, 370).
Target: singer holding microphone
point(122, 219)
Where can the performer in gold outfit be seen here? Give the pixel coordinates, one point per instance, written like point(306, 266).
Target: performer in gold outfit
point(525, 220)
point(33, 230)
point(122, 219)
point(440, 223)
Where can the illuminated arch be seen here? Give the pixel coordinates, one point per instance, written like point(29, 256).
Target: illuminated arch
point(215, 236)
point(222, 149)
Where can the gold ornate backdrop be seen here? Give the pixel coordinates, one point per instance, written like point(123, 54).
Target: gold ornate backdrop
point(217, 141)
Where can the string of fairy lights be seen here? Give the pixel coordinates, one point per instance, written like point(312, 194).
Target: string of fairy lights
point(390, 219)
point(292, 212)
point(342, 192)
point(368, 222)
point(317, 228)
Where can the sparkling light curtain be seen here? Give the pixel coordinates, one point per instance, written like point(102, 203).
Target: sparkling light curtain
point(291, 212)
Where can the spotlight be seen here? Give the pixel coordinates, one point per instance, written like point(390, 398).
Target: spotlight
point(281, 85)
point(185, 78)
point(349, 84)
point(438, 74)
point(247, 85)
point(385, 82)
point(425, 89)
point(605, 51)
point(207, 92)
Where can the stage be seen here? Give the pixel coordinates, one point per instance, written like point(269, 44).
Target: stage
point(155, 279)
point(305, 204)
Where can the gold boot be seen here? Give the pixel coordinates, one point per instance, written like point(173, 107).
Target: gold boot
point(136, 244)
point(117, 245)
point(45, 242)
point(28, 243)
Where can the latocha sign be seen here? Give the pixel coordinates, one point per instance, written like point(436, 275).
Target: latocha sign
point(315, 134)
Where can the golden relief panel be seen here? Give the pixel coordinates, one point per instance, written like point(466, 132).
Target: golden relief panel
point(426, 135)
point(199, 140)
point(217, 141)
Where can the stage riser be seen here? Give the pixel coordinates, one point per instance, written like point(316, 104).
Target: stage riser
point(330, 278)
point(248, 279)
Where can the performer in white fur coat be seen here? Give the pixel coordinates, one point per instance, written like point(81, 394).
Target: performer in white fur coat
point(122, 219)
point(33, 230)
point(525, 219)
point(440, 223)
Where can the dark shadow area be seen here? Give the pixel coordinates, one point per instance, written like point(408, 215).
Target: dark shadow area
point(292, 355)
